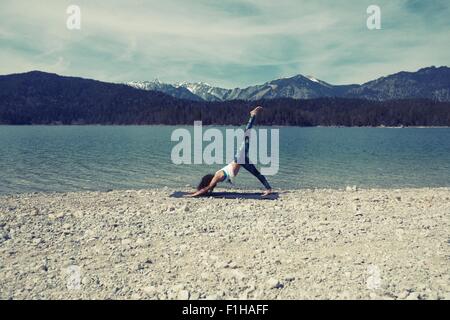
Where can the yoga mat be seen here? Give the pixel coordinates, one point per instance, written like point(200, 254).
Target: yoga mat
point(230, 195)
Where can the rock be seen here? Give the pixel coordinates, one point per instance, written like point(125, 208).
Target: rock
point(413, 296)
point(403, 295)
point(243, 296)
point(150, 291)
point(289, 278)
point(162, 296)
point(135, 296)
point(446, 296)
point(274, 284)
point(238, 275)
point(78, 214)
point(60, 215)
point(141, 242)
point(432, 296)
point(206, 276)
point(221, 264)
point(183, 295)
point(4, 236)
point(220, 294)
point(126, 242)
point(66, 226)
point(194, 296)
point(178, 287)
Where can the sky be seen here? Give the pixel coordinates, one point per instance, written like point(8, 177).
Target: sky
point(227, 43)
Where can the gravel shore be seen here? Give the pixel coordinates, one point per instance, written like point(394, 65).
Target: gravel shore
point(308, 244)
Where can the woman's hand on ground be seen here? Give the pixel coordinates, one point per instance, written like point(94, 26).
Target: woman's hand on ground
point(266, 193)
point(189, 195)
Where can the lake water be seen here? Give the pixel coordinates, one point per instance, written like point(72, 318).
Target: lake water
point(72, 158)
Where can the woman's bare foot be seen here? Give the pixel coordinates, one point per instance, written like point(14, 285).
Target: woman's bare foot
point(255, 111)
point(266, 193)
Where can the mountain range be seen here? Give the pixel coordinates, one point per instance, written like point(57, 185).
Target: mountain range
point(44, 98)
point(428, 83)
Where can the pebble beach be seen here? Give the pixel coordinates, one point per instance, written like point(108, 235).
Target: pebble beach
point(307, 244)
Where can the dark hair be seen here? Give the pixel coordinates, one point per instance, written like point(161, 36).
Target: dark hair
point(205, 181)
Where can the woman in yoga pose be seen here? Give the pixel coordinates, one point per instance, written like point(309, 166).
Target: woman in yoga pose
point(229, 172)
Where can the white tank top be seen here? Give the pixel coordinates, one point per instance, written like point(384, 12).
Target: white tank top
point(228, 169)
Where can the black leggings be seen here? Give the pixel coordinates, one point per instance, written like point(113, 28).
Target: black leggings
point(243, 151)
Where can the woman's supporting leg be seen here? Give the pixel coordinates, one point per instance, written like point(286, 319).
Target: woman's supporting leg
point(250, 167)
point(243, 159)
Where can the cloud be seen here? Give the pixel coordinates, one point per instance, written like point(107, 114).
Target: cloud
point(229, 43)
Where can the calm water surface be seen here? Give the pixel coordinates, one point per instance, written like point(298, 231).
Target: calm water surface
point(72, 158)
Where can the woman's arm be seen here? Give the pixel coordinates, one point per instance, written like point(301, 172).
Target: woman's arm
point(199, 192)
point(217, 178)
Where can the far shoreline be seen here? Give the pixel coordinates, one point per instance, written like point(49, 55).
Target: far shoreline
point(354, 189)
point(220, 125)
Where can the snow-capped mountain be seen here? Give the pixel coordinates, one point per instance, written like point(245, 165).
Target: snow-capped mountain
point(172, 90)
point(205, 91)
point(297, 87)
point(430, 83)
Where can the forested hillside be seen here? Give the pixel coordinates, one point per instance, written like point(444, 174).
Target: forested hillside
point(42, 98)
